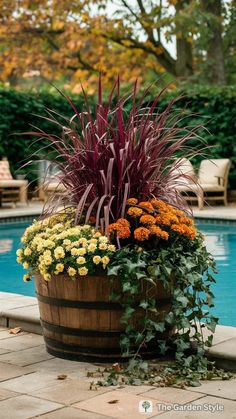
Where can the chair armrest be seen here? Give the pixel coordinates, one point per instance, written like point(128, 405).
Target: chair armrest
point(221, 180)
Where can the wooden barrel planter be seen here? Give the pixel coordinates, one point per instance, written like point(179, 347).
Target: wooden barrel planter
point(80, 322)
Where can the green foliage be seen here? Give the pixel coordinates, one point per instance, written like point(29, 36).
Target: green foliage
point(184, 268)
point(18, 114)
point(216, 109)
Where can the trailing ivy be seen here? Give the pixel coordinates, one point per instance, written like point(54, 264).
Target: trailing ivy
point(186, 273)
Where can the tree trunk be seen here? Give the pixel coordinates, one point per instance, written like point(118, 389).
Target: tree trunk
point(184, 60)
point(215, 52)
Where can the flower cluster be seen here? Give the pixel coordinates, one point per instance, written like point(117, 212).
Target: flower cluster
point(55, 246)
point(152, 219)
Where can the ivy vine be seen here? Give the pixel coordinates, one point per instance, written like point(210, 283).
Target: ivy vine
point(186, 272)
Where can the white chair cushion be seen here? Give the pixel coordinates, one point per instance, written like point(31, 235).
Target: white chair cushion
point(210, 170)
point(5, 173)
point(12, 183)
point(184, 167)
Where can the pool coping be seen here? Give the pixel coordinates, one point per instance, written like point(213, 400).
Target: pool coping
point(22, 311)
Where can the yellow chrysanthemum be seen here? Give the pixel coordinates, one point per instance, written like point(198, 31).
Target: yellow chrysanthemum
point(102, 246)
point(59, 252)
point(71, 271)
point(19, 252)
point(111, 248)
point(105, 260)
point(27, 251)
point(92, 247)
point(47, 277)
point(80, 260)
point(59, 267)
point(26, 278)
point(83, 271)
point(25, 265)
point(96, 259)
point(103, 239)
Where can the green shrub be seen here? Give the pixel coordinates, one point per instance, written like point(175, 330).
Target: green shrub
point(215, 108)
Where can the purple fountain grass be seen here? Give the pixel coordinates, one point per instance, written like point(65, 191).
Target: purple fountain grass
point(107, 157)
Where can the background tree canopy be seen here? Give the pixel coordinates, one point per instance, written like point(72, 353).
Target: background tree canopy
point(66, 41)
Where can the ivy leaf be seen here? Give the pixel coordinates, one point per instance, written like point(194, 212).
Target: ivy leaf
point(183, 300)
point(159, 327)
point(144, 304)
point(113, 270)
point(212, 324)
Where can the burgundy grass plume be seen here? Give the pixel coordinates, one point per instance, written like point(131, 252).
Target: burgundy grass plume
point(107, 156)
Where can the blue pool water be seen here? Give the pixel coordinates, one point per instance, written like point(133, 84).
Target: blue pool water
point(220, 241)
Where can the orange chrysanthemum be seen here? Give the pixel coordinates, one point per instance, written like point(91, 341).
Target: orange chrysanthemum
point(135, 212)
point(183, 229)
point(160, 205)
point(147, 206)
point(121, 228)
point(186, 220)
point(147, 219)
point(141, 234)
point(166, 219)
point(132, 201)
point(159, 232)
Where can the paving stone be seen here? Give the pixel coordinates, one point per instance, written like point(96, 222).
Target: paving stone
point(219, 388)
point(21, 342)
point(17, 302)
point(222, 333)
point(24, 407)
point(172, 395)
point(8, 371)
point(135, 389)
point(6, 394)
point(30, 382)
point(70, 391)
point(71, 413)
point(28, 325)
point(5, 334)
point(63, 366)
point(115, 404)
point(229, 411)
point(224, 349)
point(26, 356)
point(4, 351)
point(24, 312)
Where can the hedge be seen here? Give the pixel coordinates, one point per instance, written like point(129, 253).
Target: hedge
point(216, 108)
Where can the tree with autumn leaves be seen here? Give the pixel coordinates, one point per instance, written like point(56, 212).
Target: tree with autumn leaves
point(68, 41)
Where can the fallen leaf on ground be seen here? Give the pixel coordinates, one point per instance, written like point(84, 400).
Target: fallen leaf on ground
point(15, 331)
point(61, 376)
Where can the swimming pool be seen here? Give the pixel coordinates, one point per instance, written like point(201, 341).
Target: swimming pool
point(220, 241)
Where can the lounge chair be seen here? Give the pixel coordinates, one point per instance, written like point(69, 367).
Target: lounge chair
point(51, 186)
point(11, 190)
point(212, 178)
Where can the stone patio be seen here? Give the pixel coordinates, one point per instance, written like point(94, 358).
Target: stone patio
point(30, 387)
